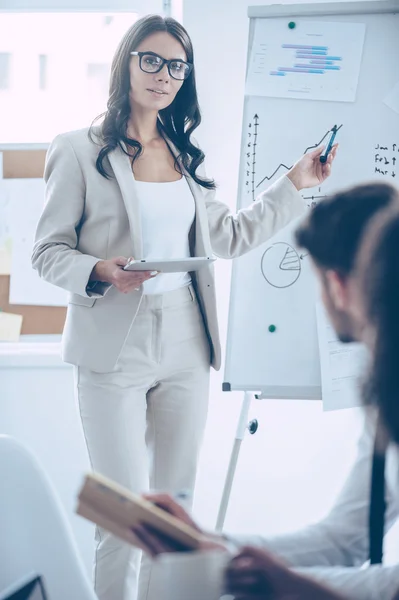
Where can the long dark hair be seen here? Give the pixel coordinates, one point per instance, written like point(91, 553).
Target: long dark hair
point(379, 281)
point(176, 122)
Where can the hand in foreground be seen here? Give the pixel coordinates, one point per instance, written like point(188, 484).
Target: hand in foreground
point(309, 172)
point(155, 543)
point(111, 271)
point(254, 574)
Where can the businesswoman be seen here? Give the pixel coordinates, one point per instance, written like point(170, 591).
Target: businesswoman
point(142, 345)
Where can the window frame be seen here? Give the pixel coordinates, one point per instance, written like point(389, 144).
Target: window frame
point(141, 7)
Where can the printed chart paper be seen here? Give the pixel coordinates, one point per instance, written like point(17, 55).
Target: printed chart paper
point(26, 199)
point(316, 60)
point(342, 366)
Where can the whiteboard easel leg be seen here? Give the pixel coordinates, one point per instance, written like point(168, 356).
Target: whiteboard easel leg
point(241, 427)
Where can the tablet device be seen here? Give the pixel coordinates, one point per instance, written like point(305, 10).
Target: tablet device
point(172, 265)
point(118, 510)
point(29, 588)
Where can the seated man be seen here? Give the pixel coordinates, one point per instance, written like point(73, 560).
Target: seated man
point(333, 550)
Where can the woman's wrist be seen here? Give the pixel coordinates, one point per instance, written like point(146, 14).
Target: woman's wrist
point(295, 179)
point(99, 273)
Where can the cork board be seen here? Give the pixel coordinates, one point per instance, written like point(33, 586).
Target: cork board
point(36, 319)
point(20, 164)
point(23, 164)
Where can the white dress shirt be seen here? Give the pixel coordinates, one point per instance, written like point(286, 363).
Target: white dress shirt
point(335, 549)
point(167, 213)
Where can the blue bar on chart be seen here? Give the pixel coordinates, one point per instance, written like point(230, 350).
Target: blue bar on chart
point(300, 46)
point(301, 70)
point(316, 60)
point(313, 56)
point(324, 67)
point(312, 52)
point(321, 61)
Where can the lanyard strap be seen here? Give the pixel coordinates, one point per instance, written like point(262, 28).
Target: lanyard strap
point(377, 496)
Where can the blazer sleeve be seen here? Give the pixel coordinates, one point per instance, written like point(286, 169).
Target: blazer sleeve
point(233, 235)
point(341, 539)
point(55, 255)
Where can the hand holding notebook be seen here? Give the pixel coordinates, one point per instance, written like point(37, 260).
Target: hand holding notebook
point(118, 510)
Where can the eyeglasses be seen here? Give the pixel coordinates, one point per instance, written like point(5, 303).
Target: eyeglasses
point(152, 63)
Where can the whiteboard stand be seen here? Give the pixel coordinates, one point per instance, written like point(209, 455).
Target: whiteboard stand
point(242, 426)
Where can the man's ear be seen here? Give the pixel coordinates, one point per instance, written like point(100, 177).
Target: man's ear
point(338, 289)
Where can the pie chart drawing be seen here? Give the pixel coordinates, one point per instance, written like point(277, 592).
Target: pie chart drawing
point(281, 265)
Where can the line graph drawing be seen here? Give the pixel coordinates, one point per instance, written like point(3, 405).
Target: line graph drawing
point(281, 265)
point(251, 156)
point(282, 165)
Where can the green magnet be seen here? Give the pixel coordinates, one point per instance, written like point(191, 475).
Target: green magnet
point(291, 25)
point(272, 328)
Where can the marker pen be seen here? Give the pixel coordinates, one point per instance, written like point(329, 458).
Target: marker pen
point(327, 149)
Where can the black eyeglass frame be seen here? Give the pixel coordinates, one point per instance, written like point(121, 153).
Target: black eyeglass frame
point(164, 62)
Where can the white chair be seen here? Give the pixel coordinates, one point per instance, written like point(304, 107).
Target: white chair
point(35, 535)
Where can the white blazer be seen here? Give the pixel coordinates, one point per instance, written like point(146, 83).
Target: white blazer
point(88, 218)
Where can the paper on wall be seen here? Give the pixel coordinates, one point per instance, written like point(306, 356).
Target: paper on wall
point(342, 366)
point(26, 204)
point(10, 327)
point(5, 257)
point(5, 236)
point(316, 60)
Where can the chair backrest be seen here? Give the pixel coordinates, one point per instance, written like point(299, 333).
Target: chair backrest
point(35, 535)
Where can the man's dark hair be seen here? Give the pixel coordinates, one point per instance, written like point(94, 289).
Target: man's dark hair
point(334, 228)
point(379, 284)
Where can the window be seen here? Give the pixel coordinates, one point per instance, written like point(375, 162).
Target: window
point(43, 71)
point(97, 79)
point(54, 71)
point(5, 60)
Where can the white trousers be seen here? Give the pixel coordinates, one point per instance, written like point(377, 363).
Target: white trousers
point(144, 422)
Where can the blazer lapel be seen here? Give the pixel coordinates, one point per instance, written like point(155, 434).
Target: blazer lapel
point(202, 240)
point(202, 245)
point(121, 166)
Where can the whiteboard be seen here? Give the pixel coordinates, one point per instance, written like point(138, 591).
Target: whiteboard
point(274, 284)
point(21, 205)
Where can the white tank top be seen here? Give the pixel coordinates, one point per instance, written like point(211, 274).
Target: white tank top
point(167, 213)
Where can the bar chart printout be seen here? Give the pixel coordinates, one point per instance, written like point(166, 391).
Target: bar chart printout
point(314, 61)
